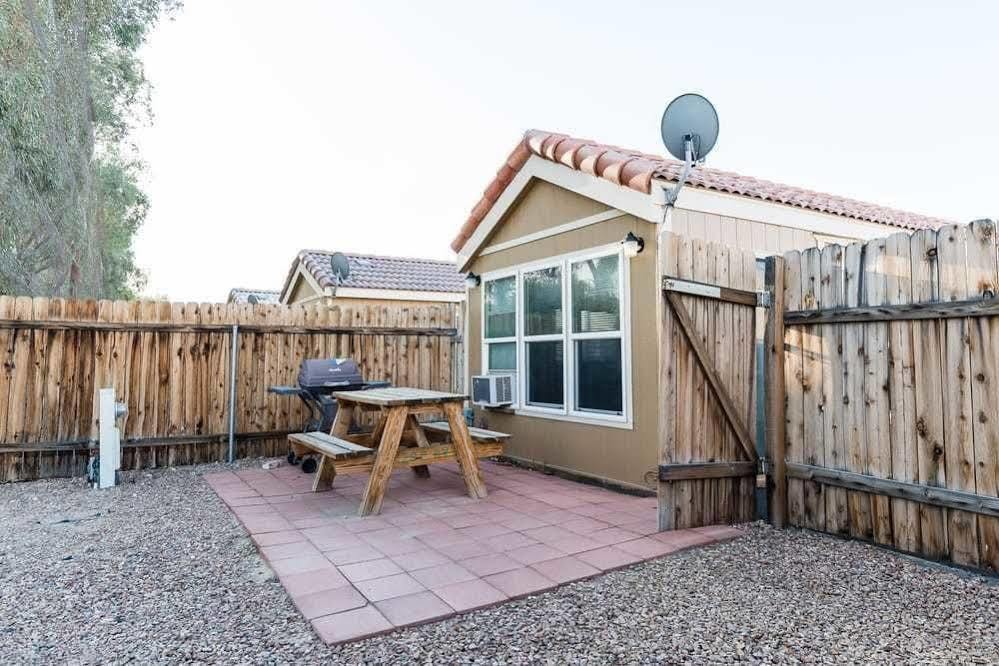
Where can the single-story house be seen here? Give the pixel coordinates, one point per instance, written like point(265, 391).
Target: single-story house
point(561, 305)
point(372, 279)
point(242, 296)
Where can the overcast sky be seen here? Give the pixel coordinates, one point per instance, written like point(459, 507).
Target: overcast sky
point(375, 126)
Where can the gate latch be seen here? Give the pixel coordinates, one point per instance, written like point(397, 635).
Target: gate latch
point(762, 471)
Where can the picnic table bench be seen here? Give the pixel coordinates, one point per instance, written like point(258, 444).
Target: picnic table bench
point(380, 451)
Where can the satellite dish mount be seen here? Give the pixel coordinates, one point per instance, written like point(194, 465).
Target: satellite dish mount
point(689, 130)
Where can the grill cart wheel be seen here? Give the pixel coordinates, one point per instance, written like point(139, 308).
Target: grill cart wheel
point(292, 458)
point(309, 465)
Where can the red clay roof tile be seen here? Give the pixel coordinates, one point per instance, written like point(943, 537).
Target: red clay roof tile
point(636, 170)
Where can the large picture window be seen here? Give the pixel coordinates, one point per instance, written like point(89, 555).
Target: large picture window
point(560, 326)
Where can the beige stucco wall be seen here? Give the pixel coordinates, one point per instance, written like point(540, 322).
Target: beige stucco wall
point(620, 455)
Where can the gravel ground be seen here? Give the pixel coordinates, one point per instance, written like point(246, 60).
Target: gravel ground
point(158, 571)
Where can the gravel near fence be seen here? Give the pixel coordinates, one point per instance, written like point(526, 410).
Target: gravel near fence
point(158, 571)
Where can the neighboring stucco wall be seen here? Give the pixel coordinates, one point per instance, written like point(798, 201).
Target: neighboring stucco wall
point(625, 456)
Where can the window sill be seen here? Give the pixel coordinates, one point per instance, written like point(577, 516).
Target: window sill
point(553, 416)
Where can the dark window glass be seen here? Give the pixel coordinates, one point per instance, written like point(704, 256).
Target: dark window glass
point(544, 373)
point(598, 376)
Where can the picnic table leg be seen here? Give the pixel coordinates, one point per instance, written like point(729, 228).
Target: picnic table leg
point(464, 451)
point(421, 471)
point(381, 471)
point(326, 472)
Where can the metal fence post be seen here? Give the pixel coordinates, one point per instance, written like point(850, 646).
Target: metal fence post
point(233, 356)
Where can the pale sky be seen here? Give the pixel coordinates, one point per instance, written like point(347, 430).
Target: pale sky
point(375, 126)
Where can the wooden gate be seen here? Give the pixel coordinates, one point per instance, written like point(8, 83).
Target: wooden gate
point(708, 457)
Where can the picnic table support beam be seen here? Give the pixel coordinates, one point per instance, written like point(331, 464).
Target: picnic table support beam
point(388, 447)
point(421, 471)
point(464, 453)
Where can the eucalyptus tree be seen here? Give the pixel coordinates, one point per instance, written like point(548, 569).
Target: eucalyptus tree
point(72, 89)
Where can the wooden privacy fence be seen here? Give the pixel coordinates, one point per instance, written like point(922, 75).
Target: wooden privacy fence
point(891, 373)
point(708, 458)
point(170, 363)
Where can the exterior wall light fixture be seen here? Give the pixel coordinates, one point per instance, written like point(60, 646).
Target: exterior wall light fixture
point(633, 245)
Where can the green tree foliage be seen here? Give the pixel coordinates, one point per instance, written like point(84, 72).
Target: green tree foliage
point(72, 88)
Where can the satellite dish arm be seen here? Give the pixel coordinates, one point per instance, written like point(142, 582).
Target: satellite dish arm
point(690, 160)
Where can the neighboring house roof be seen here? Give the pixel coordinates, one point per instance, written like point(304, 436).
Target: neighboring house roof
point(636, 171)
point(369, 271)
point(240, 295)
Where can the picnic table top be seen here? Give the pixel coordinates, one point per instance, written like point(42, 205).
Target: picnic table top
point(398, 396)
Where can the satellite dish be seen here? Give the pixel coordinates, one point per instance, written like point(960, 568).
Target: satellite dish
point(690, 119)
point(340, 266)
point(689, 129)
point(252, 299)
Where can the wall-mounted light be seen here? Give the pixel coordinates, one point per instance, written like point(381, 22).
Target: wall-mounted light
point(472, 280)
point(632, 245)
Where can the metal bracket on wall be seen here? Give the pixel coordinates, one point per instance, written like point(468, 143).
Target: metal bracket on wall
point(764, 299)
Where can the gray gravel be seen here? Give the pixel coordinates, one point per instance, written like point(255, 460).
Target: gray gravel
point(157, 571)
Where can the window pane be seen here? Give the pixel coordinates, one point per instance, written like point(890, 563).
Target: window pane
point(501, 308)
point(596, 304)
point(544, 373)
point(503, 356)
point(598, 375)
point(543, 301)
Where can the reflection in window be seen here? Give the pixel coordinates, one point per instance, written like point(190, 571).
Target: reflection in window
point(596, 295)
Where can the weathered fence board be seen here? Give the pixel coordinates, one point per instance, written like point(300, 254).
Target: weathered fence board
point(907, 429)
point(170, 363)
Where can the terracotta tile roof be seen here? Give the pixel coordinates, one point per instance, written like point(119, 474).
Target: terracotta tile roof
point(373, 272)
point(634, 170)
point(240, 295)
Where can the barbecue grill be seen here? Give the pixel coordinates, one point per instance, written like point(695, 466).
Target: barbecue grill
point(318, 378)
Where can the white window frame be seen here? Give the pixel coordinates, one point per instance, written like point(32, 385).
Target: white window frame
point(567, 412)
point(516, 308)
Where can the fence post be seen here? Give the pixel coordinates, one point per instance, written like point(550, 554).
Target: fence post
point(233, 356)
point(775, 392)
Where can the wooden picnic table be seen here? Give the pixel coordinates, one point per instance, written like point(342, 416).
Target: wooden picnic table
point(399, 407)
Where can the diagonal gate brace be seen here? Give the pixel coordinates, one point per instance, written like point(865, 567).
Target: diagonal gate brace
point(727, 404)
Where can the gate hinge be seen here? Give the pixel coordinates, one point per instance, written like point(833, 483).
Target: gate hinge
point(764, 299)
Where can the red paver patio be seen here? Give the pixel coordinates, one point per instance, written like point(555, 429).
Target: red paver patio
point(433, 551)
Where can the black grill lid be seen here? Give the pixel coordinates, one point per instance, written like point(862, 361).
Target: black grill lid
point(329, 373)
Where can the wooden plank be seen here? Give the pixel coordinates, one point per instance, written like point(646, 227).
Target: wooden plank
point(876, 389)
point(464, 451)
point(917, 311)
point(732, 416)
point(715, 470)
point(775, 392)
point(927, 338)
point(668, 249)
point(855, 417)
point(794, 416)
point(328, 445)
point(930, 496)
point(959, 444)
point(381, 470)
point(399, 396)
point(812, 391)
point(831, 294)
point(718, 292)
point(983, 277)
point(414, 456)
point(478, 434)
point(902, 397)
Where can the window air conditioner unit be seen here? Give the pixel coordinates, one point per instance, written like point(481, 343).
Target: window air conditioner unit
point(493, 390)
